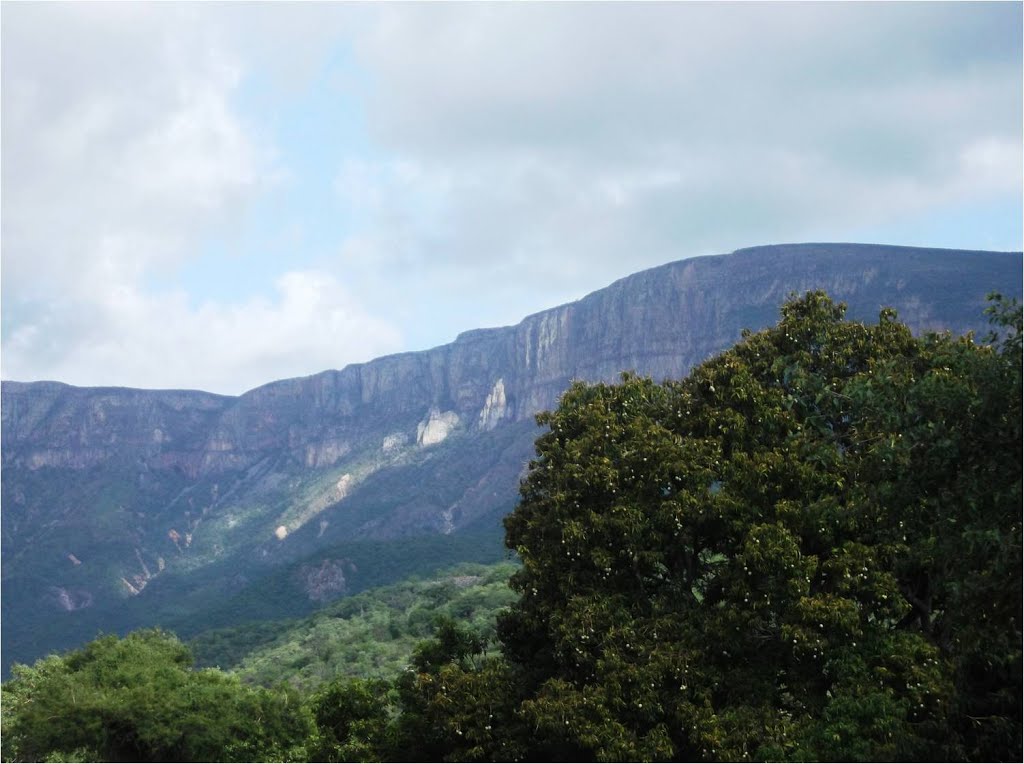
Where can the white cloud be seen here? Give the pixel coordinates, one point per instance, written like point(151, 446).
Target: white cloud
point(141, 340)
point(122, 150)
point(992, 164)
point(563, 146)
point(519, 156)
point(119, 129)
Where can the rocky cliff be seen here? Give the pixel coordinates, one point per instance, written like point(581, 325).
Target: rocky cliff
point(177, 500)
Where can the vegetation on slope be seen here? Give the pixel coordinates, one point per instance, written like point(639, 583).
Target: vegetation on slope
point(370, 635)
point(138, 699)
point(809, 549)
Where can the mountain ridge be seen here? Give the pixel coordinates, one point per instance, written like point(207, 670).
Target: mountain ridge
point(800, 248)
point(119, 500)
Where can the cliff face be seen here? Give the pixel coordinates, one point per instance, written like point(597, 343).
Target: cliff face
point(658, 322)
point(136, 485)
point(48, 424)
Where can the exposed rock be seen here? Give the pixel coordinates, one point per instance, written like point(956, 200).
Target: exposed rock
point(326, 453)
point(281, 532)
point(142, 563)
point(140, 580)
point(301, 515)
point(447, 523)
point(393, 441)
point(70, 599)
point(436, 427)
point(494, 407)
point(326, 581)
point(343, 486)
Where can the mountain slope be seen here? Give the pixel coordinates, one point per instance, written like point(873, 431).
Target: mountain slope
point(126, 507)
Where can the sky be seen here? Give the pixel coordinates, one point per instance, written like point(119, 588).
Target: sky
point(214, 196)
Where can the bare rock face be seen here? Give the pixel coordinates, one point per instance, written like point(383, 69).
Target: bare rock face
point(424, 443)
point(495, 407)
point(48, 424)
point(70, 600)
point(325, 582)
point(436, 427)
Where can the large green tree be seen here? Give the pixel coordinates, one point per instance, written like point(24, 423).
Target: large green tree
point(137, 699)
point(810, 548)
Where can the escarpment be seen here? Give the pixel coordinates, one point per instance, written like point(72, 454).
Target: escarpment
point(175, 501)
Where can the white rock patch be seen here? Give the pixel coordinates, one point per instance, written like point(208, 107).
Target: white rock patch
point(436, 427)
point(494, 407)
point(343, 486)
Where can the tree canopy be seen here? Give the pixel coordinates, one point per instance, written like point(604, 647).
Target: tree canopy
point(810, 548)
point(138, 699)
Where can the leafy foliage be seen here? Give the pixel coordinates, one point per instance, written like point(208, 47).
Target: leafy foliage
point(370, 635)
point(353, 717)
point(808, 549)
point(137, 699)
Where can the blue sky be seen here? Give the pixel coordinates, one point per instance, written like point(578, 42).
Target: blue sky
point(217, 195)
point(313, 130)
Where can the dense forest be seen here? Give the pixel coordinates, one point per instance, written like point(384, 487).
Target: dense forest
point(807, 549)
point(369, 635)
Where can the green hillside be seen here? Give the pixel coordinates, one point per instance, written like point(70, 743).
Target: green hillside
point(370, 635)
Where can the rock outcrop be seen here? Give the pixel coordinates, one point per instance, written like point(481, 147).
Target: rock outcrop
point(495, 407)
point(436, 427)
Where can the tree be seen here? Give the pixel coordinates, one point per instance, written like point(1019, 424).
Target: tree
point(137, 699)
point(810, 548)
point(352, 716)
point(456, 703)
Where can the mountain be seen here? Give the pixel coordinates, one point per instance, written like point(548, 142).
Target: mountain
point(129, 507)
